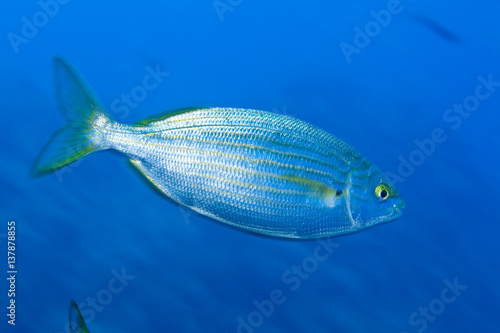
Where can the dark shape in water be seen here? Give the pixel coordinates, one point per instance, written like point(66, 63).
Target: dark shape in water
point(438, 29)
point(76, 323)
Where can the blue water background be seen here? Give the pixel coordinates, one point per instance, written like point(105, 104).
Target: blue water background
point(75, 228)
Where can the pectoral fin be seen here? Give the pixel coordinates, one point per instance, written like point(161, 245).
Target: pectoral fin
point(323, 191)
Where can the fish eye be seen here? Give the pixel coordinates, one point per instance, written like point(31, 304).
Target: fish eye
point(382, 192)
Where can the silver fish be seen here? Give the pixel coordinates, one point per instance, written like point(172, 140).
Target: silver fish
point(255, 170)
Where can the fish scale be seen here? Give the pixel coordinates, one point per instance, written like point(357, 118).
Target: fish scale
point(258, 199)
point(261, 122)
point(264, 172)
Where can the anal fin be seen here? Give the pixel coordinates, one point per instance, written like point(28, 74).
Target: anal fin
point(150, 179)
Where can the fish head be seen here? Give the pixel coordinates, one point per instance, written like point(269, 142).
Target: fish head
point(371, 198)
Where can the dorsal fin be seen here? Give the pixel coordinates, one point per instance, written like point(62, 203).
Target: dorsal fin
point(169, 114)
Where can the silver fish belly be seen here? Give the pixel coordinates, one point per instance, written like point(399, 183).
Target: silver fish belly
point(255, 170)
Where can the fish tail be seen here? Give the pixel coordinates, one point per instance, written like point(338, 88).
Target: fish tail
point(86, 117)
point(76, 322)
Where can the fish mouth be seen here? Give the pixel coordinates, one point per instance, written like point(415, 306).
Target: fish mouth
point(394, 215)
point(397, 212)
point(399, 207)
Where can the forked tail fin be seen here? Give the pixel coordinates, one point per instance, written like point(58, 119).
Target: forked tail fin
point(85, 114)
point(76, 323)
